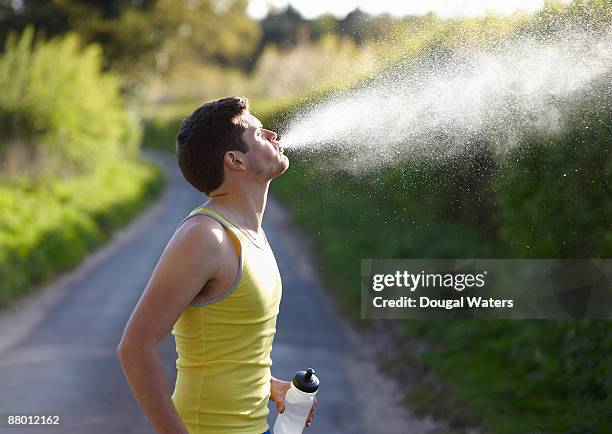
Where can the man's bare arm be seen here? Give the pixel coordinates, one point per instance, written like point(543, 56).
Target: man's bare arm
point(189, 261)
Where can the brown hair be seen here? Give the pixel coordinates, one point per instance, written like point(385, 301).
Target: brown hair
point(205, 136)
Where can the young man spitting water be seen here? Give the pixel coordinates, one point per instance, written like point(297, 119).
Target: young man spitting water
point(216, 286)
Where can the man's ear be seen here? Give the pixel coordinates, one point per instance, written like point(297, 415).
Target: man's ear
point(234, 160)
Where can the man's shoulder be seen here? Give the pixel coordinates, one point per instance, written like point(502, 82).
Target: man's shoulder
point(204, 234)
point(202, 227)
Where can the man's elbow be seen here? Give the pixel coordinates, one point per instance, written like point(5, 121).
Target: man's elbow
point(125, 348)
point(134, 347)
point(122, 350)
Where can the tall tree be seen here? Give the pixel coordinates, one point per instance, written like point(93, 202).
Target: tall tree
point(143, 37)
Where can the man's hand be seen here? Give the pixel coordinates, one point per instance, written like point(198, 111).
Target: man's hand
point(278, 390)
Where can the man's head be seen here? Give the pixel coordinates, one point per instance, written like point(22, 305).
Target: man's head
point(222, 138)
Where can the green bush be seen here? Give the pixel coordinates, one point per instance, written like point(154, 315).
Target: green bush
point(49, 225)
point(548, 198)
point(66, 137)
point(56, 103)
point(554, 195)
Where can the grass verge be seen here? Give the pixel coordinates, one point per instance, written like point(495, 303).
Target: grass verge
point(49, 225)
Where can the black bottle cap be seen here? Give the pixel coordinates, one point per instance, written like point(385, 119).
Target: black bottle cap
point(306, 381)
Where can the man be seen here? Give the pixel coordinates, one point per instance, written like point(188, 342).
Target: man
point(216, 286)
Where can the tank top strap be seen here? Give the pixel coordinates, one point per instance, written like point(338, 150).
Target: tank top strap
point(202, 210)
point(230, 226)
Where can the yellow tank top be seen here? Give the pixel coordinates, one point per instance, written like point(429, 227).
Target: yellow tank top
point(224, 345)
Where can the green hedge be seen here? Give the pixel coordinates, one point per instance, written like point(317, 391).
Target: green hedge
point(57, 104)
point(48, 225)
point(551, 197)
point(69, 167)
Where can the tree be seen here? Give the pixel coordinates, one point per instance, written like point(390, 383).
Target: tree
point(142, 37)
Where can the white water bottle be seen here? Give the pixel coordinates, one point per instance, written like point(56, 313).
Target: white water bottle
point(298, 402)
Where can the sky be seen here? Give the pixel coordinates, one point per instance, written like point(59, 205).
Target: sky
point(442, 8)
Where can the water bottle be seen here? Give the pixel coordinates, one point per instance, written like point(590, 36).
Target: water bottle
point(298, 402)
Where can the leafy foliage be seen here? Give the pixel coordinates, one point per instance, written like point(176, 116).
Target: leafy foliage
point(70, 173)
point(49, 225)
point(549, 197)
point(58, 108)
point(140, 39)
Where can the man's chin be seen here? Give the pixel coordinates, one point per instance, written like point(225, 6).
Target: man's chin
point(282, 167)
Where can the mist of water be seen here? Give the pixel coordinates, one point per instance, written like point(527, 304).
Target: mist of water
point(437, 107)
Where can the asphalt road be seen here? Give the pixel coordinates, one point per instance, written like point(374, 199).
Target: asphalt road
point(57, 345)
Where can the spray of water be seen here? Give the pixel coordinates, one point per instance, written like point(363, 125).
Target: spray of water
point(439, 107)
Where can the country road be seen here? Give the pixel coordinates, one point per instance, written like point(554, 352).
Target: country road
point(57, 345)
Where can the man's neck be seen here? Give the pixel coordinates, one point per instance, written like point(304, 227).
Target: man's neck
point(245, 202)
